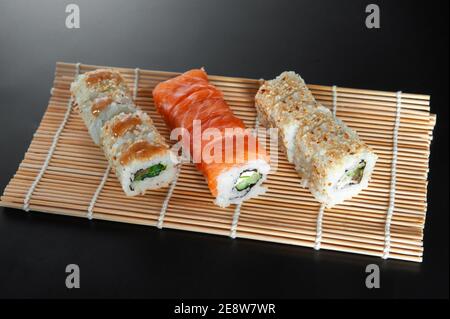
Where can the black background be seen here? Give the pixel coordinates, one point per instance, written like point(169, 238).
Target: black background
point(326, 41)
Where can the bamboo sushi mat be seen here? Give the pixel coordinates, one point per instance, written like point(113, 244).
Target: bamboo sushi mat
point(77, 181)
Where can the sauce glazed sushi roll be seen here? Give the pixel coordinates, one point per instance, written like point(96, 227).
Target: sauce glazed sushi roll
point(329, 156)
point(99, 95)
point(243, 167)
point(131, 143)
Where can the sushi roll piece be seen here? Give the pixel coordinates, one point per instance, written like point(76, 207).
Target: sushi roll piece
point(333, 162)
point(141, 158)
point(242, 166)
point(133, 146)
point(99, 95)
point(303, 120)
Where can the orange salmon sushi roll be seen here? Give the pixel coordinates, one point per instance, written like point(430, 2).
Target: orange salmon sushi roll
point(232, 160)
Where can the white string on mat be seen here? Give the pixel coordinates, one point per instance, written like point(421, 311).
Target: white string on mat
point(26, 201)
point(334, 89)
point(390, 211)
point(237, 210)
point(97, 192)
point(234, 223)
point(319, 222)
point(165, 205)
point(136, 83)
point(162, 213)
point(256, 124)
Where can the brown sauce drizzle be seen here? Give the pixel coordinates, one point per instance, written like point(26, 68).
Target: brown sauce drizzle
point(100, 104)
point(140, 151)
point(121, 127)
point(98, 76)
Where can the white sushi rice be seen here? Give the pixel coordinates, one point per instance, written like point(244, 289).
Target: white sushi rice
point(226, 181)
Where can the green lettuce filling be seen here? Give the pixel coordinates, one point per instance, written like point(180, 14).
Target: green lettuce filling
point(151, 171)
point(353, 176)
point(357, 174)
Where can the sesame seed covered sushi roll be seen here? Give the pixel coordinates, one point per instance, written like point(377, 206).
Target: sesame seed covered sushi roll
point(329, 156)
point(99, 95)
point(133, 146)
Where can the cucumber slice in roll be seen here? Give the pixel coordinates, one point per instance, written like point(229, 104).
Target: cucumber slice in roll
point(247, 179)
